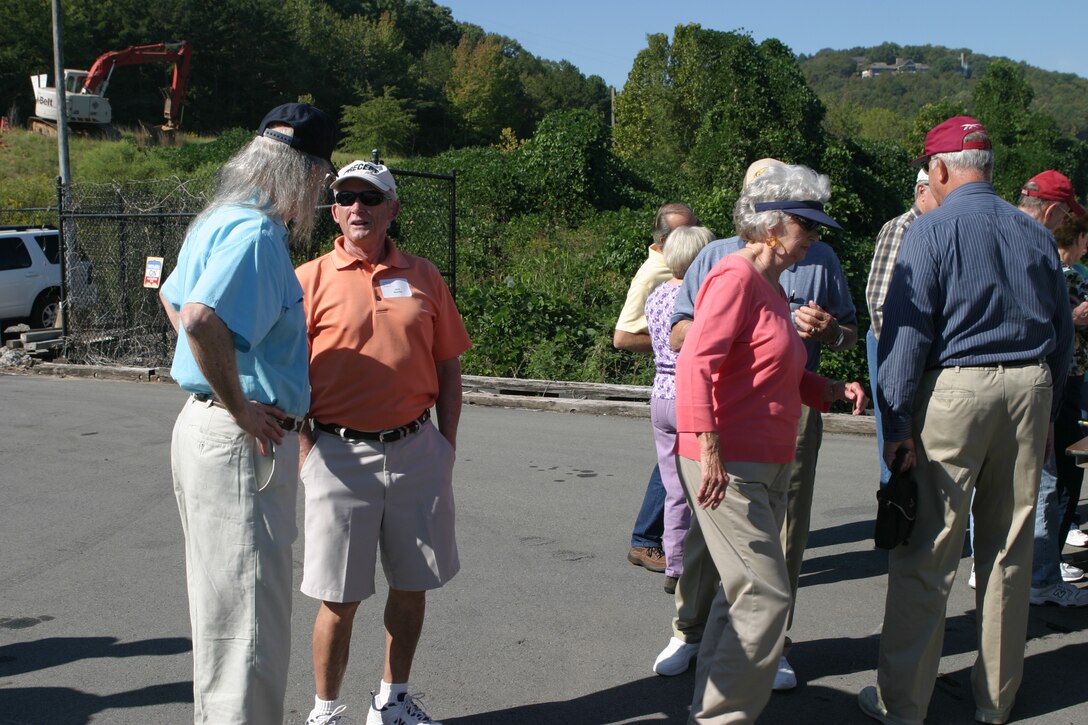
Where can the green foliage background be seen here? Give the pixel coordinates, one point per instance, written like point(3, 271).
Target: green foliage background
point(554, 207)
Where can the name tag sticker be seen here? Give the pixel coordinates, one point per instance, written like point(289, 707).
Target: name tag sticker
point(397, 287)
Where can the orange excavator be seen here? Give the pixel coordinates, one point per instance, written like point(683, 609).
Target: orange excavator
point(88, 108)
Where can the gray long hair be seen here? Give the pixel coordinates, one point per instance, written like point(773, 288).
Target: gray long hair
point(273, 177)
point(776, 183)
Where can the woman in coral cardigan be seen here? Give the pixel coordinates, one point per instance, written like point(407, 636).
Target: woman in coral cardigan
point(740, 382)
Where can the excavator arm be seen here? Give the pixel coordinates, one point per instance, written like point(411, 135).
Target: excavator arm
point(178, 53)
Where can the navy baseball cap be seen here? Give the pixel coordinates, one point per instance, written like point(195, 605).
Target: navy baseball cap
point(313, 131)
point(806, 208)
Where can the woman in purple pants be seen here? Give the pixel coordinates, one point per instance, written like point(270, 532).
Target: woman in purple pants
point(680, 249)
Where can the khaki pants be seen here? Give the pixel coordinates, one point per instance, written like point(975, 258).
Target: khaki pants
point(810, 434)
point(982, 431)
point(743, 637)
point(696, 587)
point(238, 515)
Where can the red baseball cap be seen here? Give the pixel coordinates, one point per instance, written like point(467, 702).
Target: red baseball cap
point(948, 137)
point(1054, 186)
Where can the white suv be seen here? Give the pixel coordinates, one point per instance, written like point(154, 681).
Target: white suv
point(30, 274)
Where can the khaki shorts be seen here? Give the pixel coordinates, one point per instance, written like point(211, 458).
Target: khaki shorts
point(366, 495)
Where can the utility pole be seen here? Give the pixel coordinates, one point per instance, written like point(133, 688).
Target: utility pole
point(62, 99)
point(64, 196)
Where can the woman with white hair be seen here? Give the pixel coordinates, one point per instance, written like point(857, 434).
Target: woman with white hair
point(740, 382)
point(680, 249)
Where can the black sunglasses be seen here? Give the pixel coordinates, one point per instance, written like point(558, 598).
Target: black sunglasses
point(809, 225)
point(368, 198)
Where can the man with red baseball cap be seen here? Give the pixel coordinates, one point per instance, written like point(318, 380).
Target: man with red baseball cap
point(976, 329)
point(1049, 198)
point(959, 133)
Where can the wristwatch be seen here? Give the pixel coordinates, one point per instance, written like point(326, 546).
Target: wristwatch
point(842, 336)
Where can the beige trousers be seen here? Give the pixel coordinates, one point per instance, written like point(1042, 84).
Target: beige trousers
point(980, 430)
point(696, 587)
point(810, 434)
point(238, 515)
point(742, 640)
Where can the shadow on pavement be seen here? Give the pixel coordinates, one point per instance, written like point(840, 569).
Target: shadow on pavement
point(643, 701)
point(65, 706)
point(843, 566)
point(1047, 686)
point(23, 657)
point(847, 533)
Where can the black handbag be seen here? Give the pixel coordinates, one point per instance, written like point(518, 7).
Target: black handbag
point(896, 506)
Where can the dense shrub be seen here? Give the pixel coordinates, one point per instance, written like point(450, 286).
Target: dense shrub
point(568, 167)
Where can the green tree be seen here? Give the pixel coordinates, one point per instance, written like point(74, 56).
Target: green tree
point(383, 122)
point(643, 125)
point(483, 89)
point(713, 102)
point(882, 124)
point(1025, 141)
point(568, 167)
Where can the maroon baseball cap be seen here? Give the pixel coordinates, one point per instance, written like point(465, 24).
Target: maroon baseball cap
point(948, 137)
point(1054, 186)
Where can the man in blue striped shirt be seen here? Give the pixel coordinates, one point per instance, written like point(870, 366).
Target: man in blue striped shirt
point(976, 329)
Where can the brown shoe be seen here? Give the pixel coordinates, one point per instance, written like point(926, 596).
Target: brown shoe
point(648, 557)
point(670, 584)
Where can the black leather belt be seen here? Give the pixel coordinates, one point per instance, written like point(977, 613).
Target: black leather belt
point(289, 424)
point(385, 436)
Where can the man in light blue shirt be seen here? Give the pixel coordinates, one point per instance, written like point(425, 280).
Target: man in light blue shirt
point(243, 355)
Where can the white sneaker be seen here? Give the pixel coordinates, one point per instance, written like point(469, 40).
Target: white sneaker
point(1071, 573)
point(1076, 537)
point(405, 710)
point(676, 657)
point(336, 717)
point(785, 678)
point(971, 579)
point(1061, 594)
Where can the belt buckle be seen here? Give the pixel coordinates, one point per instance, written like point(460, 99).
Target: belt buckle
point(392, 435)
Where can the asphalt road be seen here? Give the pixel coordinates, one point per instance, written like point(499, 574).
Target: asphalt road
point(547, 622)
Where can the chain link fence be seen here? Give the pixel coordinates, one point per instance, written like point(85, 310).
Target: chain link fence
point(110, 230)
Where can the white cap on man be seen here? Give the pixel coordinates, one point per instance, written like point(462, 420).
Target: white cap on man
point(377, 175)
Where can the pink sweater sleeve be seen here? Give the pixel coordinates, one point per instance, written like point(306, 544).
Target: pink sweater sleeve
point(723, 301)
point(812, 391)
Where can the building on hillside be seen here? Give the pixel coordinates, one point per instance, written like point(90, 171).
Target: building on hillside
point(901, 65)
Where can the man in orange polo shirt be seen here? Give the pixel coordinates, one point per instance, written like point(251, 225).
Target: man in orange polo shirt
point(385, 337)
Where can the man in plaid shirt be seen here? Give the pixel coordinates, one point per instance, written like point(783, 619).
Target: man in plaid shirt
point(885, 254)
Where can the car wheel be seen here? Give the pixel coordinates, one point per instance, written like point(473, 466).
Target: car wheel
point(46, 310)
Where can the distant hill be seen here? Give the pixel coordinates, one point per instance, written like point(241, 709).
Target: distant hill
point(835, 76)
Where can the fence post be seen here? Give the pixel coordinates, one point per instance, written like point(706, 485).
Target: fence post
point(64, 195)
point(122, 266)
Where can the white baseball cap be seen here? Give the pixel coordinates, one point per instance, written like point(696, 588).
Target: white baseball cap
point(377, 175)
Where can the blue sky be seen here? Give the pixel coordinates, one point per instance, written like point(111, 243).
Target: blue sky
point(602, 37)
